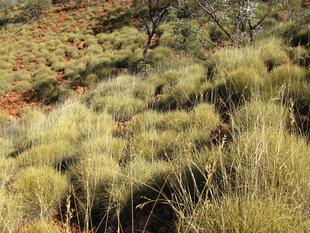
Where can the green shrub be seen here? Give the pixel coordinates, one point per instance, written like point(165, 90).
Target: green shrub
point(127, 85)
point(4, 86)
point(71, 52)
point(269, 161)
point(120, 107)
point(69, 123)
point(160, 55)
point(186, 34)
point(35, 8)
point(294, 32)
point(202, 118)
point(229, 59)
point(300, 56)
point(217, 34)
point(22, 86)
point(153, 145)
point(178, 88)
point(58, 66)
point(42, 227)
point(39, 191)
point(5, 6)
point(287, 74)
point(239, 85)
point(50, 91)
point(56, 154)
point(269, 22)
point(43, 74)
point(244, 215)
point(166, 39)
point(21, 75)
point(258, 115)
point(112, 147)
point(10, 215)
point(52, 59)
point(8, 165)
point(93, 178)
point(299, 35)
point(5, 65)
point(143, 174)
point(272, 52)
point(145, 121)
point(5, 119)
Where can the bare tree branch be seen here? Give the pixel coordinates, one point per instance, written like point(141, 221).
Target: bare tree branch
point(265, 15)
point(211, 12)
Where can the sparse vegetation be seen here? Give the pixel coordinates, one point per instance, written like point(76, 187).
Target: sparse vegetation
point(201, 125)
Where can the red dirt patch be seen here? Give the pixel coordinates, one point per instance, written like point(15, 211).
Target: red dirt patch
point(13, 102)
point(18, 65)
point(120, 127)
point(81, 45)
point(60, 77)
point(80, 90)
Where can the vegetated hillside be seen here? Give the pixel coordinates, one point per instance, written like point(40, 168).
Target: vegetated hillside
point(197, 133)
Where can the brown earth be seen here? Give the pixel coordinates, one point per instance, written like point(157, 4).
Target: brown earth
point(13, 102)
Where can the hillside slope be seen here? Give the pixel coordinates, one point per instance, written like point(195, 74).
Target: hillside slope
point(197, 136)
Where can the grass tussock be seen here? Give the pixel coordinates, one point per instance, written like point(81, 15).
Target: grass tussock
point(260, 115)
point(40, 191)
point(10, 214)
point(244, 215)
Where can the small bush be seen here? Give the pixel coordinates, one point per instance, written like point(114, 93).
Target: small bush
point(160, 55)
point(71, 52)
point(57, 155)
point(68, 124)
point(299, 35)
point(228, 60)
point(217, 34)
point(22, 86)
point(5, 6)
point(5, 65)
point(203, 117)
point(186, 34)
point(115, 148)
point(258, 115)
point(146, 178)
point(39, 191)
point(300, 56)
point(270, 161)
point(10, 215)
point(50, 91)
point(93, 178)
point(5, 119)
point(35, 8)
point(120, 107)
point(244, 215)
point(272, 52)
point(287, 74)
point(43, 74)
point(239, 85)
point(178, 88)
point(155, 145)
point(127, 85)
point(4, 86)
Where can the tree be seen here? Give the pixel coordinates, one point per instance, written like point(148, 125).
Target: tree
point(235, 18)
point(4, 9)
point(155, 10)
point(35, 8)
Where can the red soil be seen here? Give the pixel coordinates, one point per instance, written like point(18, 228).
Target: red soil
point(13, 102)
